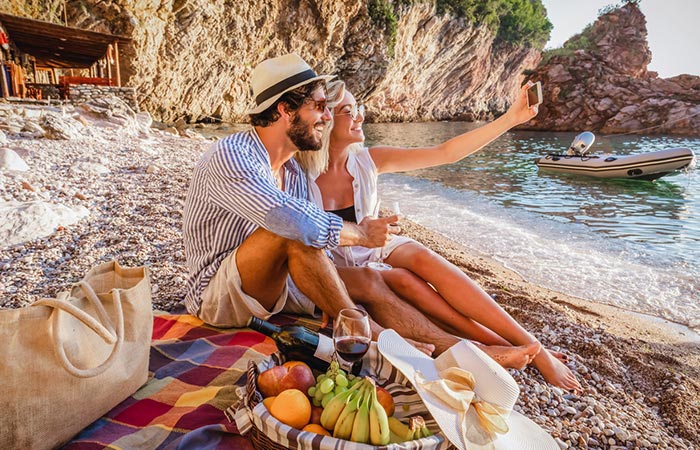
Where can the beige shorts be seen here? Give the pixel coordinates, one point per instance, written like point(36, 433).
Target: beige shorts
point(225, 305)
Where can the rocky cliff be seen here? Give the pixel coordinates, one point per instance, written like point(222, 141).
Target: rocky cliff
point(598, 81)
point(191, 59)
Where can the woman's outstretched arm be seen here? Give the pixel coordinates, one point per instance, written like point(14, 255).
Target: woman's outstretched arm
point(398, 159)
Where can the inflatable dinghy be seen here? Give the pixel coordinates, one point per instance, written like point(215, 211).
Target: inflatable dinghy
point(645, 166)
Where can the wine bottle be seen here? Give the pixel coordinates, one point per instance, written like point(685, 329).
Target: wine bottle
point(298, 343)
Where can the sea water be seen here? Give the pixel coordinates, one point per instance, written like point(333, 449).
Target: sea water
point(633, 244)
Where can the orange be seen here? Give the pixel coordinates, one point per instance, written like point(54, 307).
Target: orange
point(268, 402)
point(316, 428)
point(291, 407)
point(290, 364)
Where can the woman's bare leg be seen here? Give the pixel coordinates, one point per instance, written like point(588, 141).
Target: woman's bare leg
point(470, 301)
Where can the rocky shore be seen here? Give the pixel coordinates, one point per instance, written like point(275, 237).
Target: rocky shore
point(90, 184)
point(598, 81)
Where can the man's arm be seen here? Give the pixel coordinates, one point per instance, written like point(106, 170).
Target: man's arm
point(238, 183)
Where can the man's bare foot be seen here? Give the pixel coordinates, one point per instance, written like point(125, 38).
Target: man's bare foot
point(556, 373)
point(428, 349)
point(516, 357)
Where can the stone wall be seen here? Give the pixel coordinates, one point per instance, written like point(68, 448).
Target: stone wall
point(82, 93)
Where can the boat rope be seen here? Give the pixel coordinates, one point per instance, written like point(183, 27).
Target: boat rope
point(655, 126)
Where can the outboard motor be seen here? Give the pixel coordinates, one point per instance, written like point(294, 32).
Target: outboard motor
point(581, 144)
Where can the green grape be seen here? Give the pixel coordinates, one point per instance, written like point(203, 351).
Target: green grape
point(318, 395)
point(316, 402)
point(327, 385)
point(333, 368)
point(339, 390)
point(341, 380)
point(311, 391)
point(327, 398)
point(320, 378)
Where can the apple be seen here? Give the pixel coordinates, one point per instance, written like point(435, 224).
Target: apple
point(269, 380)
point(299, 377)
point(386, 400)
point(280, 378)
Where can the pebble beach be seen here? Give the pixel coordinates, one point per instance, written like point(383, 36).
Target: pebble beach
point(88, 184)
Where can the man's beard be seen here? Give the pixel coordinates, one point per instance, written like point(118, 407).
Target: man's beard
point(301, 135)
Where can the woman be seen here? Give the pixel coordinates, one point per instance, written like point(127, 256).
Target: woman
point(343, 179)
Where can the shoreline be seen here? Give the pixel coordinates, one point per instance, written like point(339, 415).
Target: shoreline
point(641, 378)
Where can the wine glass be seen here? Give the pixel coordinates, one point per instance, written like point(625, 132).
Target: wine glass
point(351, 334)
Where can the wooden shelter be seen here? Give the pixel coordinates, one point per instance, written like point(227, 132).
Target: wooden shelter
point(40, 58)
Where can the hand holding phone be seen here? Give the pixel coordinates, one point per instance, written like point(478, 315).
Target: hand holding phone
point(534, 94)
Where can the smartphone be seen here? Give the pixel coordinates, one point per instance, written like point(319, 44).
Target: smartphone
point(534, 94)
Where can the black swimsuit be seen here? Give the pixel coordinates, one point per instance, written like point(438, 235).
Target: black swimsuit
point(347, 214)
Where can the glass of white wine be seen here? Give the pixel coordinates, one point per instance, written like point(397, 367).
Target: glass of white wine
point(392, 210)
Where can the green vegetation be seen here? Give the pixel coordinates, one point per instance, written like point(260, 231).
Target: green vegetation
point(518, 22)
point(581, 41)
point(614, 6)
point(383, 15)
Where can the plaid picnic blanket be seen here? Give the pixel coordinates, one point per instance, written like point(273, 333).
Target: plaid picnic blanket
point(195, 370)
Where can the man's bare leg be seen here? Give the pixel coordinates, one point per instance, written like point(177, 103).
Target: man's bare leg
point(265, 259)
point(367, 287)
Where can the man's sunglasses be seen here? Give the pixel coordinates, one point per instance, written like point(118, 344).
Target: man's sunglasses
point(355, 111)
point(318, 105)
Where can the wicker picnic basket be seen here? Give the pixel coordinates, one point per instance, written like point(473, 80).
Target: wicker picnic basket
point(253, 396)
point(267, 433)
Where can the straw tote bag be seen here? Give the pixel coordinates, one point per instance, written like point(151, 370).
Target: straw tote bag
point(67, 361)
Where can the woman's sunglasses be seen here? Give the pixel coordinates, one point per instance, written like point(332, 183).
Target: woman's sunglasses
point(355, 111)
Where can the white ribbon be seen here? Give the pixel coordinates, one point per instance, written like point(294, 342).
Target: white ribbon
point(456, 389)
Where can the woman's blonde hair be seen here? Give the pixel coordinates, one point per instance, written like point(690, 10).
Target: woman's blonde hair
point(317, 162)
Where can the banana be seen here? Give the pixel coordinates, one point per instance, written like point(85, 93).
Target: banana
point(343, 426)
point(335, 407)
point(395, 438)
point(360, 426)
point(419, 428)
point(400, 429)
point(379, 433)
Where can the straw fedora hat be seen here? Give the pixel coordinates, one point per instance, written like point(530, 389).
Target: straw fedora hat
point(480, 416)
point(275, 76)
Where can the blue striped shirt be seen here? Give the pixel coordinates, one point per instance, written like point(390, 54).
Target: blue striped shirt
point(233, 192)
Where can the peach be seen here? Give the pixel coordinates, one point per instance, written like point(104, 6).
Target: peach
point(386, 400)
point(316, 414)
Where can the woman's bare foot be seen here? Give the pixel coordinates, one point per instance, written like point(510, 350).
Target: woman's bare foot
point(516, 357)
point(561, 356)
point(556, 373)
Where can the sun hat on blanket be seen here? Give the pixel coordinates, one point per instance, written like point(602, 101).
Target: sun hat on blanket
point(470, 396)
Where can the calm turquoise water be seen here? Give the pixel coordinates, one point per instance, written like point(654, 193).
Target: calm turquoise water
point(634, 244)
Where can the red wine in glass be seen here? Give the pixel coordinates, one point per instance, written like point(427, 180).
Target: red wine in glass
point(351, 334)
point(352, 349)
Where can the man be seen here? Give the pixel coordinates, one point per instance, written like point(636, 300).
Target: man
point(255, 245)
